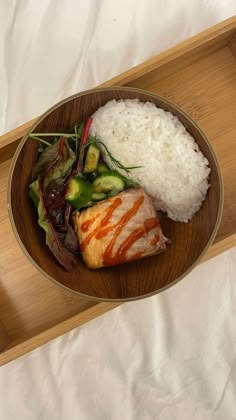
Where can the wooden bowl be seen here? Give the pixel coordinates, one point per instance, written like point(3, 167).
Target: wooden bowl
point(134, 280)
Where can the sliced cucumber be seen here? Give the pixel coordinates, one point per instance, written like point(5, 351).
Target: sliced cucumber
point(113, 192)
point(92, 158)
point(98, 196)
point(109, 182)
point(102, 168)
point(79, 192)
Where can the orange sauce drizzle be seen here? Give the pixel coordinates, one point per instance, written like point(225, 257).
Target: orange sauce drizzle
point(151, 223)
point(128, 242)
point(116, 203)
point(119, 257)
point(104, 228)
point(103, 232)
point(107, 256)
point(86, 225)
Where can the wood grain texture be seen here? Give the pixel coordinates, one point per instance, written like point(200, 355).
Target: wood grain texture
point(33, 309)
point(4, 339)
point(219, 247)
point(19, 347)
point(232, 45)
point(22, 309)
point(122, 282)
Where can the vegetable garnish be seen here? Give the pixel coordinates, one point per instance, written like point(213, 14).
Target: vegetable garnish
point(73, 138)
point(82, 144)
point(110, 183)
point(79, 192)
point(54, 162)
point(62, 164)
point(36, 136)
point(33, 137)
point(92, 159)
point(65, 257)
point(59, 154)
point(114, 161)
point(72, 173)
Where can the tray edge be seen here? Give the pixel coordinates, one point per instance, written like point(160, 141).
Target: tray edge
point(13, 352)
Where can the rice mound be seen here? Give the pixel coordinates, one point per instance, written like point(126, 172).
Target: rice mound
point(174, 171)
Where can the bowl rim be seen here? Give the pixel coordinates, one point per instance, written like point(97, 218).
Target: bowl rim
point(83, 93)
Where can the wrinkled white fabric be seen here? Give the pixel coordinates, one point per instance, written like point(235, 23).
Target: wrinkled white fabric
point(50, 49)
point(170, 357)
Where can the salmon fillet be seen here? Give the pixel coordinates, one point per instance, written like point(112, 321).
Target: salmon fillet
point(119, 229)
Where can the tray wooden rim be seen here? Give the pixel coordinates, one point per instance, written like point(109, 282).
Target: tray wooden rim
point(16, 349)
point(168, 286)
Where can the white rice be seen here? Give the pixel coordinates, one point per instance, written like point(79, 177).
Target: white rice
point(175, 172)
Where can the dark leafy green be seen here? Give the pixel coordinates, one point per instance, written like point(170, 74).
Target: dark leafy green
point(64, 161)
point(69, 239)
point(61, 245)
point(58, 161)
point(45, 160)
point(65, 257)
point(73, 139)
point(54, 163)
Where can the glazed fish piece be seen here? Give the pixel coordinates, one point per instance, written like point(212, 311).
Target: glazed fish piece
point(119, 229)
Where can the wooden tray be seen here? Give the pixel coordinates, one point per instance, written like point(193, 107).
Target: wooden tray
point(198, 75)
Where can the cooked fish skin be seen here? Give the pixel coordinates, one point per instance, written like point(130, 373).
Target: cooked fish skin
point(119, 229)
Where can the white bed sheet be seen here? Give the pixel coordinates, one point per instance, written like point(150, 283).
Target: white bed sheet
point(169, 357)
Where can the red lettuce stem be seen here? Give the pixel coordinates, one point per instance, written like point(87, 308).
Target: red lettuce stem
point(82, 143)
